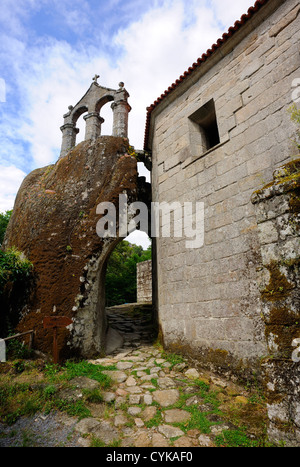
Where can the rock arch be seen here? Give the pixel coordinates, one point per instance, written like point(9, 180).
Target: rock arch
point(54, 223)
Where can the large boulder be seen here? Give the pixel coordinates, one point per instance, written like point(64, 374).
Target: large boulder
point(54, 223)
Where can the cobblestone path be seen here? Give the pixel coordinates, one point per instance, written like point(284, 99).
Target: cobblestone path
point(156, 400)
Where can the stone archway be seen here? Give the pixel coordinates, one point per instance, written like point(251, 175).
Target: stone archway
point(128, 309)
point(54, 223)
point(55, 219)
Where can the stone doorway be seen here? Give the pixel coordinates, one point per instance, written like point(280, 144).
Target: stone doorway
point(130, 321)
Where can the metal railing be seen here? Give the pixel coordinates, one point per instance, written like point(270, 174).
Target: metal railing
point(31, 339)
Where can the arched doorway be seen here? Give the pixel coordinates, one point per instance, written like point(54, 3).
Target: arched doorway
point(130, 322)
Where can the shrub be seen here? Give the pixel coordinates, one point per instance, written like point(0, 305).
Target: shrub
point(14, 267)
point(4, 219)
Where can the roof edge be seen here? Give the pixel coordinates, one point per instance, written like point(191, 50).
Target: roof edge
point(225, 37)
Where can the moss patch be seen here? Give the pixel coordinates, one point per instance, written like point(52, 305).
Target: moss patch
point(279, 287)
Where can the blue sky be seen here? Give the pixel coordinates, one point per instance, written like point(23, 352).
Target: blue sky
point(51, 49)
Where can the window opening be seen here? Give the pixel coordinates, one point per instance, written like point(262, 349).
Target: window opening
point(204, 122)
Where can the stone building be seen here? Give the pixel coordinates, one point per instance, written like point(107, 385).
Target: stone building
point(225, 174)
point(216, 136)
point(144, 282)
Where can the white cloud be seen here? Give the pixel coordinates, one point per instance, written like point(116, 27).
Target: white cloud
point(156, 49)
point(139, 238)
point(10, 180)
point(50, 74)
point(227, 13)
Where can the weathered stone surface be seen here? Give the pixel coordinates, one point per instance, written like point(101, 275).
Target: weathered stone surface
point(205, 441)
point(166, 397)
point(82, 382)
point(148, 413)
point(143, 440)
point(131, 381)
point(170, 431)
point(159, 441)
point(134, 399)
point(183, 442)
point(124, 365)
point(194, 400)
point(120, 420)
point(105, 432)
point(71, 394)
point(134, 390)
point(148, 399)
point(87, 425)
point(277, 210)
point(115, 375)
point(176, 416)
point(166, 383)
point(108, 396)
point(144, 282)
point(139, 422)
point(56, 206)
point(134, 410)
point(192, 373)
point(207, 296)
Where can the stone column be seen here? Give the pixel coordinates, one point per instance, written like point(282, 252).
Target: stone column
point(69, 132)
point(121, 109)
point(93, 125)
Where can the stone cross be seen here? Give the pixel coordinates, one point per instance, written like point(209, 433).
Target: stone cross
point(96, 78)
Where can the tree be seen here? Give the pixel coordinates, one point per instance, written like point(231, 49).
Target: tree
point(120, 281)
point(4, 219)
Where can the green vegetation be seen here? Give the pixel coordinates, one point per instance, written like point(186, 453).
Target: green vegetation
point(172, 358)
point(120, 281)
point(4, 219)
point(235, 439)
point(29, 387)
point(17, 350)
point(83, 368)
point(98, 443)
point(295, 117)
point(14, 267)
point(19, 399)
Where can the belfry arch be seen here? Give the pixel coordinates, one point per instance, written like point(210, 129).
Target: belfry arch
point(91, 104)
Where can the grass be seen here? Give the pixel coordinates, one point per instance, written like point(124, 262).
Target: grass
point(30, 388)
point(98, 443)
point(235, 438)
point(19, 399)
point(82, 368)
point(172, 358)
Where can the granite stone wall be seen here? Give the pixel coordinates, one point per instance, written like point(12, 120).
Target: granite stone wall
point(209, 303)
point(278, 216)
point(144, 282)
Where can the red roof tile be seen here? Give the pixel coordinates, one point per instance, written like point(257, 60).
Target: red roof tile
point(237, 25)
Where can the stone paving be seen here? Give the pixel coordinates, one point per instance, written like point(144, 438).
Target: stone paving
point(156, 403)
point(158, 399)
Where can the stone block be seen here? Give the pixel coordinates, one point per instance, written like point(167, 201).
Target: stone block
point(267, 233)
